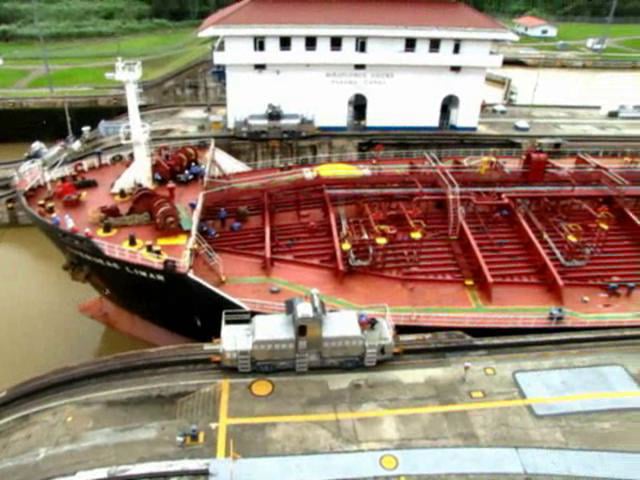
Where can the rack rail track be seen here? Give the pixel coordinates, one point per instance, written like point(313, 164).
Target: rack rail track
point(202, 356)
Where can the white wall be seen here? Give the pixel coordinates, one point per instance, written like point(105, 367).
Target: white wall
point(403, 89)
point(380, 51)
point(399, 97)
point(544, 31)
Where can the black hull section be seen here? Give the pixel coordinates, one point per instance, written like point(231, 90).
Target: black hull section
point(172, 300)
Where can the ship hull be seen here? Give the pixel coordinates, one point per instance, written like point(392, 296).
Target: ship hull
point(172, 300)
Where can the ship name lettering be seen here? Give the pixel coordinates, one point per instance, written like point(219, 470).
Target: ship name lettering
point(117, 266)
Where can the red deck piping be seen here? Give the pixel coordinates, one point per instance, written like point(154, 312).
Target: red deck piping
point(555, 278)
point(476, 255)
point(334, 231)
point(267, 233)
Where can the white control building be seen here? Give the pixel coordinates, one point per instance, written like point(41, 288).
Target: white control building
point(355, 64)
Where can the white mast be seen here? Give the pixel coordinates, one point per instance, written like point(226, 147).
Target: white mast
point(136, 133)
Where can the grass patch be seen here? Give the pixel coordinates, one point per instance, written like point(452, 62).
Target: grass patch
point(59, 92)
point(157, 67)
point(154, 43)
point(9, 76)
point(630, 43)
point(74, 76)
point(569, 32)
point(582, 31)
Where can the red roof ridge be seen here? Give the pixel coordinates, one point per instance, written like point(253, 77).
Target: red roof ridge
point(223, 13)
point(531, 21)
point(398, 13)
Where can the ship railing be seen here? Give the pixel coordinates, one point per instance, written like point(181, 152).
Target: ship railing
point(443, 154)
point(209, 158)
point(157, 262)
point(457, 319)
point(30, 174)
point(258, 179)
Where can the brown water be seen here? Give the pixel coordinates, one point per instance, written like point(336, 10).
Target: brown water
point(41, 328)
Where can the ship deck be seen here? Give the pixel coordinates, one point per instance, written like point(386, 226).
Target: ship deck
point(443, 242)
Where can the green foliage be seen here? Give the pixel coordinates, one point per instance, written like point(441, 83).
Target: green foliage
point(596, 9)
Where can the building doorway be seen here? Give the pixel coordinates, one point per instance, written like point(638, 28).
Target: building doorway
point(449, 112)
point(357, 111)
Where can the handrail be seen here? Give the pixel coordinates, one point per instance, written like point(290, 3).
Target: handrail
point(459, 319)
point(134, 256)
point(441, 153)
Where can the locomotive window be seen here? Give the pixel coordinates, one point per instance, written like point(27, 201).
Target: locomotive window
point(336, 44)
point(302, 330)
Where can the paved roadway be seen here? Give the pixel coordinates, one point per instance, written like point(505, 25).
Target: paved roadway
point(558, 122)
point(416, 416)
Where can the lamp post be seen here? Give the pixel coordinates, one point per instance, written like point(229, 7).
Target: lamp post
point(607, 31)
point(43, 45)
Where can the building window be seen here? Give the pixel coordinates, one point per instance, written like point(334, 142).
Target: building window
point(359, 67)
point(409, 44)
point(361, 45)
point(310, 44)
point(434, 46)
point(336, 44)
point(260, 67)
point(285, 44)
point(544, 31)
point(258, 44)
point(455, 69)
point(456, 47)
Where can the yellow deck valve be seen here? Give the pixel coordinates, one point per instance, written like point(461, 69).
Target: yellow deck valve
point(416, 235)
point(574, 233)
point(346, 246)
point(381, 241)
point(486, 164)
point(572, 238)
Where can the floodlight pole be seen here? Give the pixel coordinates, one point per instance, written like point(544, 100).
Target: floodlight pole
point(43, 45)
point(612, 12)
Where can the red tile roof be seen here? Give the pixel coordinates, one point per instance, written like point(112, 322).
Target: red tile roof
point(530, 21)
point(405, 13)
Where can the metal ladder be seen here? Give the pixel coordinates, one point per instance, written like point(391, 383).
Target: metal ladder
point(302, 362)
point(448, 183)
point(244, 361)
point(210, 256)
point(370, 355)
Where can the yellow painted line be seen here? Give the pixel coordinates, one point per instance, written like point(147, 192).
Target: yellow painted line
point(223, 410)
point(473, 297)
point(427, 409)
